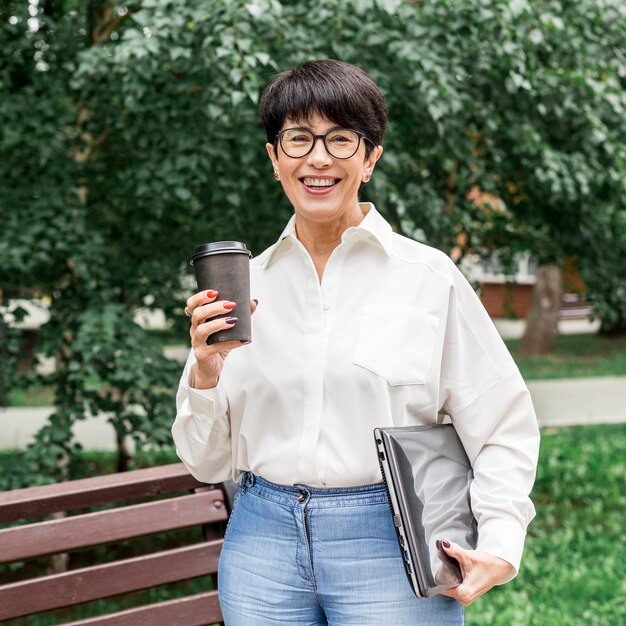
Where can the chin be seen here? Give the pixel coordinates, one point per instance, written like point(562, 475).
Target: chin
point(324, 212)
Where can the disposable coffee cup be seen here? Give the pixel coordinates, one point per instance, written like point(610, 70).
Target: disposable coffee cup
point(225, 267)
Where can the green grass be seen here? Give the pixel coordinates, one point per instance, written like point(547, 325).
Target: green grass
point(42, 395)
point(35, 395)
point(574, 356)
point(574, 567)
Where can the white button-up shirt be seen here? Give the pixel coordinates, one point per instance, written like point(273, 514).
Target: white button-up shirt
point(393, 336)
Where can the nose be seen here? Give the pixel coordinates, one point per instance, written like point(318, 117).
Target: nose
point(319, 157)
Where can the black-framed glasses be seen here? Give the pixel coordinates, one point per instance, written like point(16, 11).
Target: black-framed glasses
point(341, 143)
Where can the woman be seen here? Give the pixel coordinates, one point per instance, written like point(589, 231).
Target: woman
point(356, 327)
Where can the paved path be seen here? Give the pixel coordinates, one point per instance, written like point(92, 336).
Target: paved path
point(18, 425)
point(573, 401)
point(557, 402)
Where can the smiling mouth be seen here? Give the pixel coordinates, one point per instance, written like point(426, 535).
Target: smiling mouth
point(319, 183)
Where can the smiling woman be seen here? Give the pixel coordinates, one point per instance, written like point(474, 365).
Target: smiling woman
point(321, 168)
point(356, 327)
point(325, 123)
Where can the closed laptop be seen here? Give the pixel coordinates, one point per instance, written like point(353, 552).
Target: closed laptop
point(428, 478)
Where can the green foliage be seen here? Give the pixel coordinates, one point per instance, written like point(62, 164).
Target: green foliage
point(130, 135)
point(575, 562)
point(604, 253)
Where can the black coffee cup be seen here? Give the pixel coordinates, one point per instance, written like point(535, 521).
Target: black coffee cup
point(225, 267)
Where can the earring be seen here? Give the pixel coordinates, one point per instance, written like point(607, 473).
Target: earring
point(276, 175)
point(367, 177)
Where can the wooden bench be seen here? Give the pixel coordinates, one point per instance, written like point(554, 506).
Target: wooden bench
point(168, 509)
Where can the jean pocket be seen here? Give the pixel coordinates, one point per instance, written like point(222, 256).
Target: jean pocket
point(396, 342)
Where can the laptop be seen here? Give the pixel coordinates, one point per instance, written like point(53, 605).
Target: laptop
point(428, 478)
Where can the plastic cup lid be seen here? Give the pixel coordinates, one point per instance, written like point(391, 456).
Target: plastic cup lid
point(220, 247)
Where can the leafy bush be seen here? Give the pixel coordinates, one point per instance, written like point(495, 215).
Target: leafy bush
point(130, 135)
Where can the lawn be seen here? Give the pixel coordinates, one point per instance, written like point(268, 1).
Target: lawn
point(574, 356)
point(574, 567)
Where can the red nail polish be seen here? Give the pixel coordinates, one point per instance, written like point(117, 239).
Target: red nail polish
point(445, 543)
point(229, 306)
point(211, 293)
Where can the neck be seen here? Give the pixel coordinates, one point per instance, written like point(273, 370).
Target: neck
point(321, 238)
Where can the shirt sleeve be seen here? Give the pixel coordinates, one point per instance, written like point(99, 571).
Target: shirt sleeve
point(201, 430)
point(489, 404)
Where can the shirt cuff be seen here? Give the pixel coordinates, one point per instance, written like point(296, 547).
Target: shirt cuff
point(208, 405)
point(503, 538)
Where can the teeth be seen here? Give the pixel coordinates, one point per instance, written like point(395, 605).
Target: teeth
point(319, 182)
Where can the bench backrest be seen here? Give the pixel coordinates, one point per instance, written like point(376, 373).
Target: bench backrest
point(201, 505)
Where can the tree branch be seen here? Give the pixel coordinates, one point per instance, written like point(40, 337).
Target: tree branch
point(101, 33)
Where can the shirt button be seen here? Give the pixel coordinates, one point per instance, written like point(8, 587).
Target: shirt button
point(326, 306)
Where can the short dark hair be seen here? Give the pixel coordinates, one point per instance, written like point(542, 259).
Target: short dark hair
point(338, 91)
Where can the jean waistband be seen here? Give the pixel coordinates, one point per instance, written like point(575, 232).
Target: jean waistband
point(314, 497)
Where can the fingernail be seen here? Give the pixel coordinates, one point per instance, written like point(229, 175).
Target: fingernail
point(231, 320)
point(445, 543)
point(229, 306)
point(246, 341)
point(211, 293)
point(255, 300)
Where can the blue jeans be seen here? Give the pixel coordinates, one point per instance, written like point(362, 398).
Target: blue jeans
point(309, 555)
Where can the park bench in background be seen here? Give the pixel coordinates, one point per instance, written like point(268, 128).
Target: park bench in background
point(168, 509)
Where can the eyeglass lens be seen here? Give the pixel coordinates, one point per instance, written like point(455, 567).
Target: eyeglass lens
point(341, 144)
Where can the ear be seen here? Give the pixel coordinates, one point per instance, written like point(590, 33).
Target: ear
point(370, 161)
point(272, 155)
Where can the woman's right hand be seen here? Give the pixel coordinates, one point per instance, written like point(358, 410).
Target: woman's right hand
point(202, 307)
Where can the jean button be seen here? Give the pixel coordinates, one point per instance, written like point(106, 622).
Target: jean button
point(302, 496)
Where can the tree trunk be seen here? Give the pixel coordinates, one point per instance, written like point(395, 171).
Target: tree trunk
point(541, 323)
point(57, 563)
point(124, 452)
point(4, 357)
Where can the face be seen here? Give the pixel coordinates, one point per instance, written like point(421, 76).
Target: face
point(320, 187)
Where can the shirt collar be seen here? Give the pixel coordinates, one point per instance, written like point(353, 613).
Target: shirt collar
point(373, 228)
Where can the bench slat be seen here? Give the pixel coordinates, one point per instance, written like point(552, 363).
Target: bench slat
point(198, 610)
point(85, 492)
point(91, 529)
point(102, 581)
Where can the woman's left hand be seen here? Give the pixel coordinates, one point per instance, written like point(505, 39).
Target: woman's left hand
point(481, 571)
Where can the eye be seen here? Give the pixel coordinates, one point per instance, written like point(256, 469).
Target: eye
point(342, 137)
point(299, 138)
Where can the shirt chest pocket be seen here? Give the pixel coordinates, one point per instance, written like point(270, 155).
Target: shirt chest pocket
point(396, 342)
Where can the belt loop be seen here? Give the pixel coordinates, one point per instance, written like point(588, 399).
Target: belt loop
point(246, 480)
point(243, 480)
